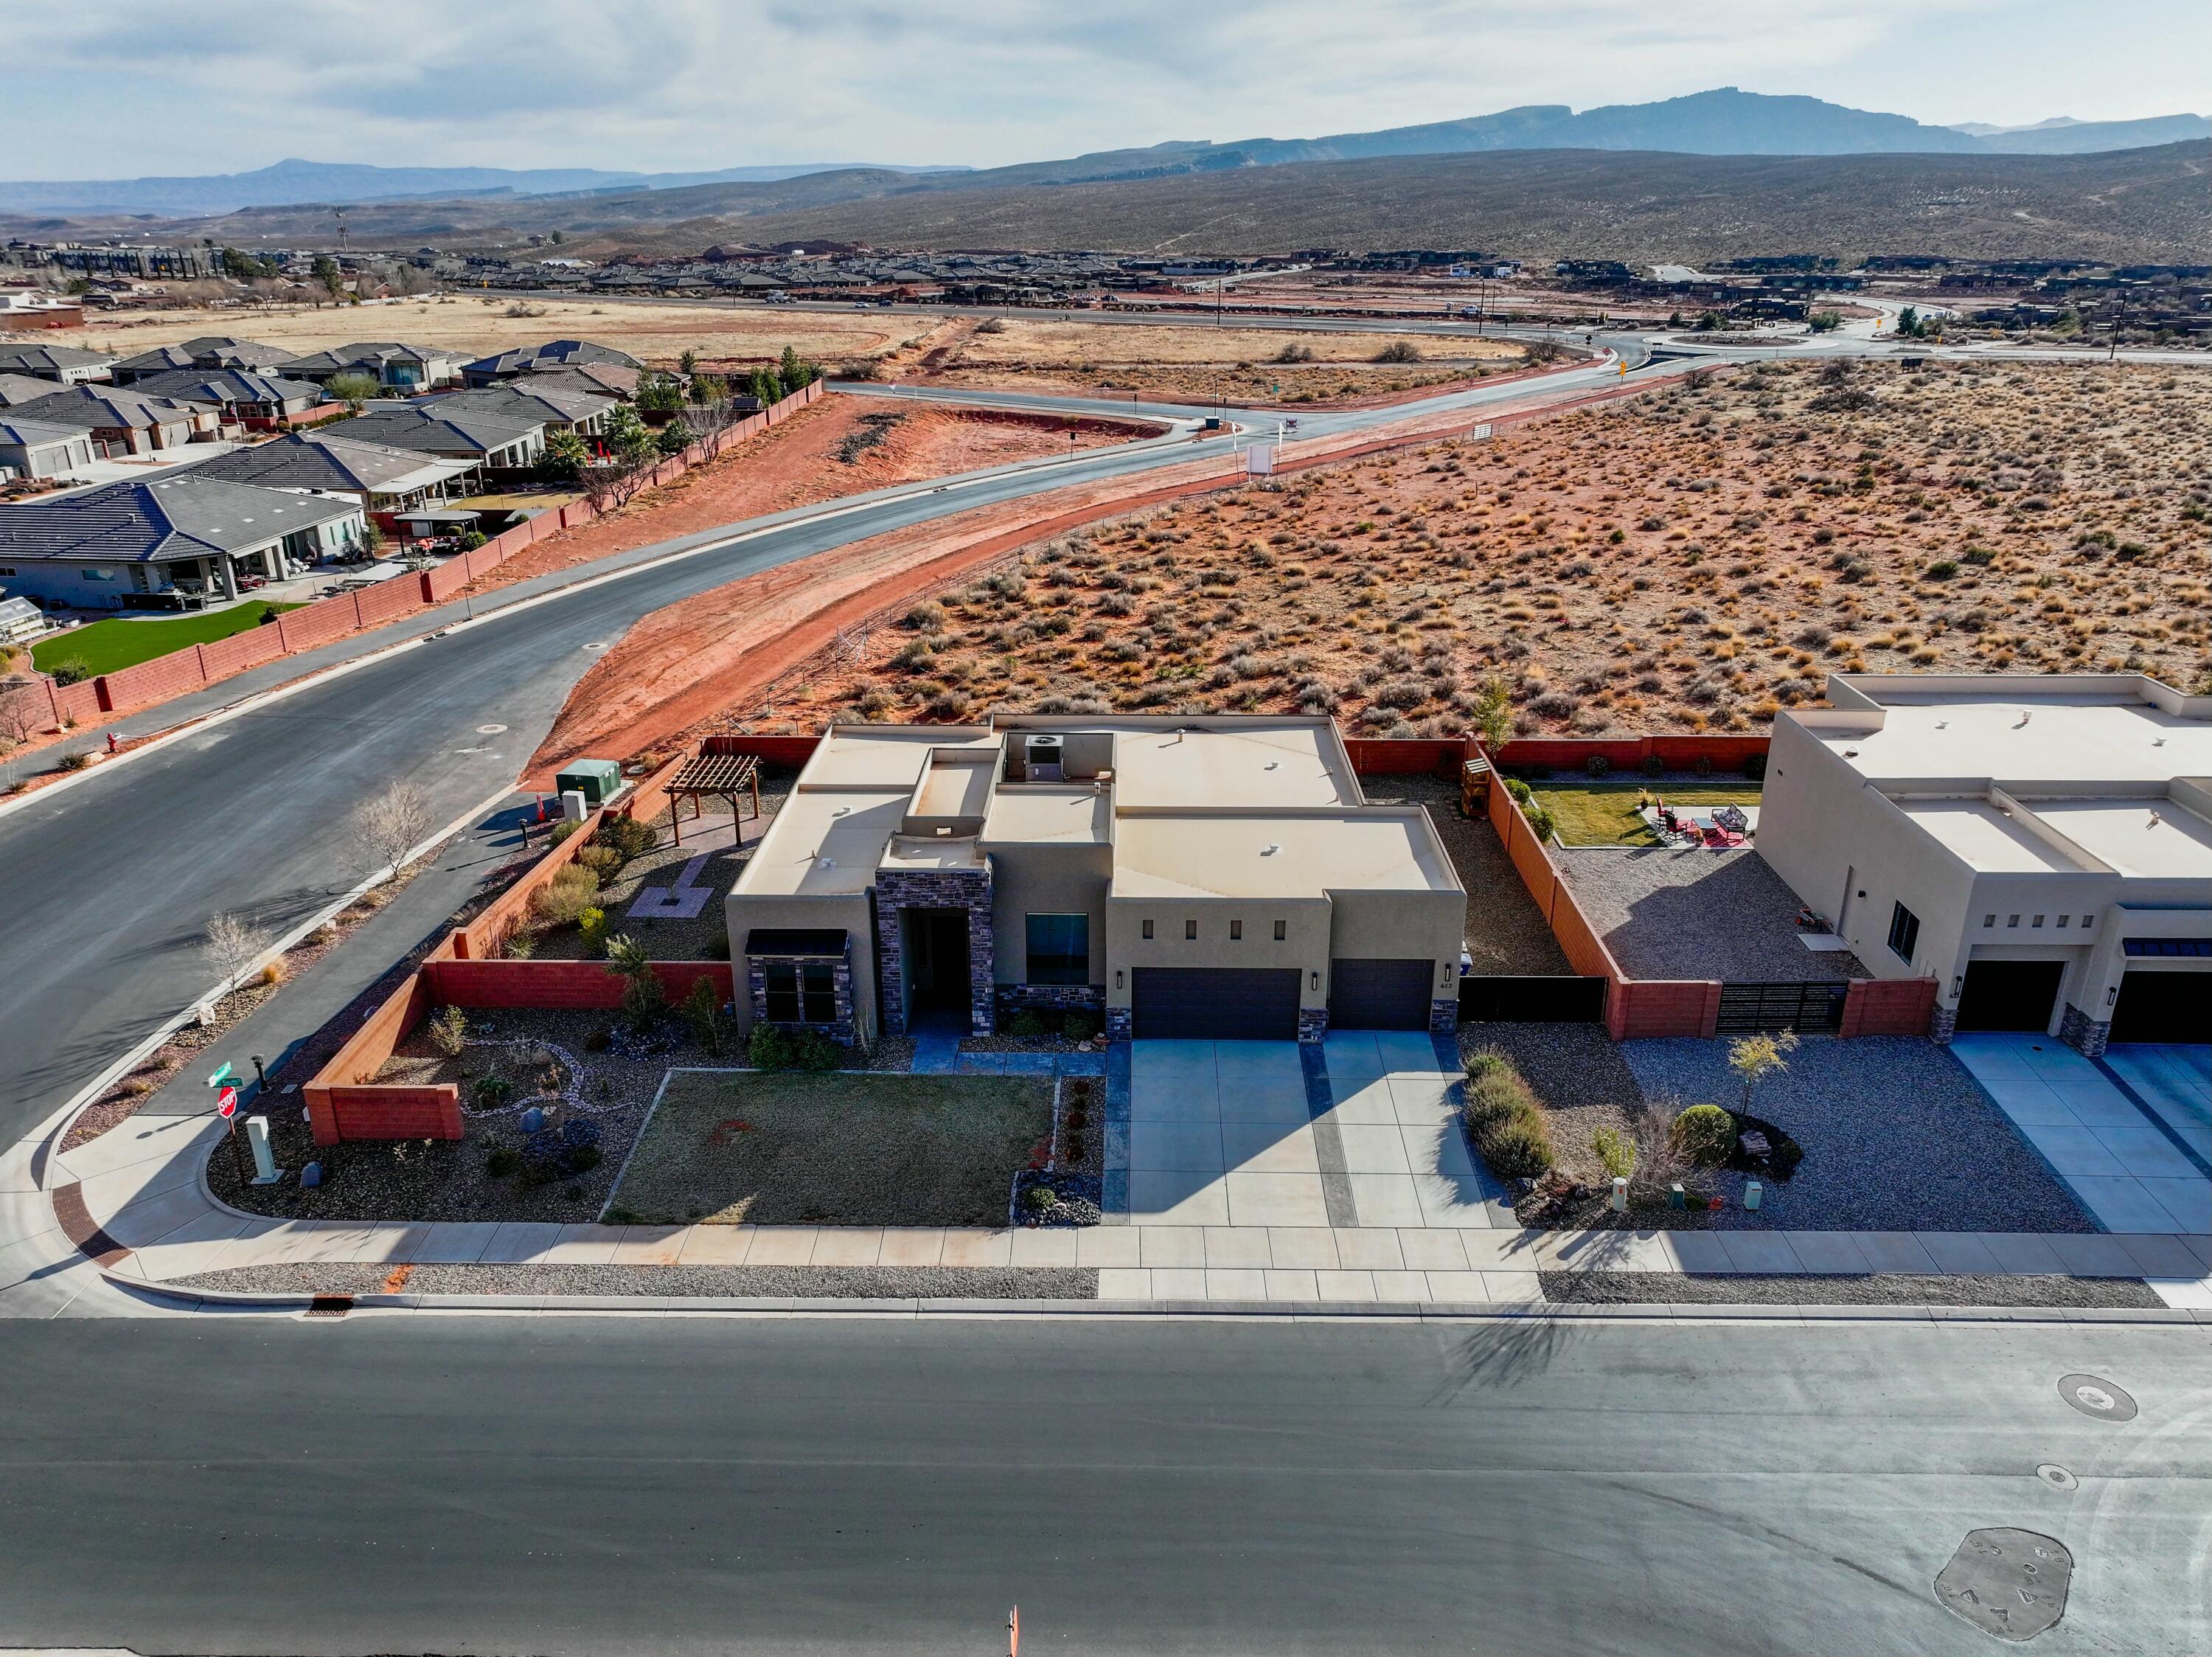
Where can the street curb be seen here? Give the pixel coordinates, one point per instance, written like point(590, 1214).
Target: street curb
point(1266, 1311)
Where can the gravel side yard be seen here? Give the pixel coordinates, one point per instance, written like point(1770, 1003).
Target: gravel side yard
point(1682, 913)
point(1506, 933)
point(1897, 1136)
point(774, 1283)
point(791, 1147)
point(1877, 1288)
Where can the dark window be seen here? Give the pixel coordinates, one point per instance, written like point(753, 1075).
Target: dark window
point(1060, 948)
point(1236, 929)
point(1904, 932)
point(800, 994)
point(1148, 929)
point(1189, 930)
point(1280, 931)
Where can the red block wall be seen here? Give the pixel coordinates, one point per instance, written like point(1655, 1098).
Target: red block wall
point(386, 601)
point(150, 681)
point(558, 984)
point(1628, 753)
point(387, 1112)
point(1888, 1007)
point(240, 651)
point(317, 624)
point(1385, 756)
point(792, 750)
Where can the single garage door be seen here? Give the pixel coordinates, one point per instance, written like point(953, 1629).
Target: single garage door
point(2163, 1007)
point(1214, 1003)
point(1379, 995)
point(2009, 994)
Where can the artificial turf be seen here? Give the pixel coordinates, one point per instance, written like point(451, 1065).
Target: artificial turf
point(108, 647)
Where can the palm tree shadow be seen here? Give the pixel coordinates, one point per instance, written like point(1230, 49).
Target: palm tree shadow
point(1504, 1352)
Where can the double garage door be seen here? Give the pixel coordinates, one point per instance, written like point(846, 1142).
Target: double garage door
point(1214, 1003)
point(2163, 1007)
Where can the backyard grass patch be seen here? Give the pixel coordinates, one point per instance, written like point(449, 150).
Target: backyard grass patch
point(1605, 813)
point(108, 647)
point(837, 1148)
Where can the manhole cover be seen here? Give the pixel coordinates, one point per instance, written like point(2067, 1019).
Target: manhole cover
point(489, 730)
point(2009, 1583)
point(2094, 1397)
point(2056, 1476)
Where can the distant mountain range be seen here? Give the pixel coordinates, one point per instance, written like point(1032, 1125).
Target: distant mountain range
point(340, 183)
point(1723, 122)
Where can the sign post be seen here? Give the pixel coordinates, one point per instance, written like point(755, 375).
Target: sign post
point(226, 1106)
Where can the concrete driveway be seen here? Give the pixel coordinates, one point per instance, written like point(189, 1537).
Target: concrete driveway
point(2131, 1135)
point(1249, 1134)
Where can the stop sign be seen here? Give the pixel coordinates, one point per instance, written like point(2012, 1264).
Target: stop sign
point(226, 1102)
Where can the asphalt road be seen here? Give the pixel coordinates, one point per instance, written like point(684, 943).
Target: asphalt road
point(677, 1486)
point(111, 882)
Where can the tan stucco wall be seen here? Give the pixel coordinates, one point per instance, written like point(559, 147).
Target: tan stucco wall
point(847, 910)
point(1401, 926)
point(1305, 944)
point(1041, 879)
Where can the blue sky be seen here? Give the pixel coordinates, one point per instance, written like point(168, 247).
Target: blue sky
point(105, 89)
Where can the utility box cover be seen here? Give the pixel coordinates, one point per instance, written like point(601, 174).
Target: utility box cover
point(595, 779)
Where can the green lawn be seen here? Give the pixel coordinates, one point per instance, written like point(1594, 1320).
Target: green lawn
point(838, 1148)
point(1604, 814)
point(107, 647)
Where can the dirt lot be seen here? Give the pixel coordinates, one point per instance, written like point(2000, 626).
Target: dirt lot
point(656, 334)
point(1696, 560)
point(840, 446)
point(1202, 364)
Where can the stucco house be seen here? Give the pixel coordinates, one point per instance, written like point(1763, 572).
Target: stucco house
point(2039, 844)
point(1217, 876)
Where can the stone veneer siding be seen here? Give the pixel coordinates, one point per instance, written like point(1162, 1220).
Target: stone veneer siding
point(2078, 1029)
point(1313, 1023)
point(1119, 1024)
point(901, 889)
point(1444, 1017)
point(841, 984)
point(1942, 1023)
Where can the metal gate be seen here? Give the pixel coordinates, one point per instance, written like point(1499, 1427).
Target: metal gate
point(1531, 1000)
point(1748, 1009)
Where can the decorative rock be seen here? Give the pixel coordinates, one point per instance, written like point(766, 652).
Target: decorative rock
point(311, 1176)
point(533, 1120)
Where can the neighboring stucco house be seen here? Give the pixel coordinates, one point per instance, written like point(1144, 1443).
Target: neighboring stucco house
point(550, 358)
point(495, 442)
point(384, 481)
point(2040, 845)
point(1216, 876)
point(31, 450)
point(208, 352)
point(124, 420)
point(389, 362)
point(63, 364)
point(241, 396)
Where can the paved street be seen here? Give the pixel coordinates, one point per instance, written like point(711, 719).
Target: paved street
point(653, 1485)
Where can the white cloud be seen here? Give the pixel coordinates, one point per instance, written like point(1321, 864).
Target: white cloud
point(665, 84)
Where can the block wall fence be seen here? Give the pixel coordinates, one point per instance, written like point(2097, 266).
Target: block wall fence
point(45, 706)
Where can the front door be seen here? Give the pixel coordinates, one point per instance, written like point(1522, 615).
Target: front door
point(937, 962)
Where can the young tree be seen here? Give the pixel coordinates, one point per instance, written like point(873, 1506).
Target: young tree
point(659, 393)
point(565, 459)
point(709, 388)
point(688, 363)
point(234, 943)
point(625, 437)
point(327, 273)
point(1493, 710)
point(352, 388)
point(392, 826)
point(1755, 1058)
point(795, 374)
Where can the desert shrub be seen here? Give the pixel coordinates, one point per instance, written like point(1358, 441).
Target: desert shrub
point(1518, 1148)
point(644, 1002)
point(73, 762)
point(1399, 350)
point(813, 1051)
point(582, 1159)
point(1941, 569)
point(1597, 764)
point(1655, 766)
point(1080, 1026)
point(599, 1038)
point(1506, 1122)
point(768, 1048)
point(561, 831)
point(1704, 1135)
point(1755, 767)
point(492, 1090)
point(602, 860)
point(272, 973)
point(449, 1030)
point(503, 1160)
point(521, 943)
point(1541, 822)
point(1521, 792)
point(591, 925)
point(703, 1012)
point(70, 670)
point(562, 900)
point(1025, 1026)
point(716, 949)
point(1040, 1199)
point(1615, 1150)
point(626, 836)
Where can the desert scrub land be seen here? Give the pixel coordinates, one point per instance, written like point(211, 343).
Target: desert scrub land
point(1200, 363)
point(1699, 558)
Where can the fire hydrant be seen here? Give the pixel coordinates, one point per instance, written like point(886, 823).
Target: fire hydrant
point(113, 744)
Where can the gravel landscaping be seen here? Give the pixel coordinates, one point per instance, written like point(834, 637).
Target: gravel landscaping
point(771, 1282)
point(1683, 912)
point(794, 1148)
point(1897, 1136)
point(1577, 1074)
point(1506, 933)
point(1878, 1288)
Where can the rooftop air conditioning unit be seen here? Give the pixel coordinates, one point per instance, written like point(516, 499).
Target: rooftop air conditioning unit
point(1040, 757)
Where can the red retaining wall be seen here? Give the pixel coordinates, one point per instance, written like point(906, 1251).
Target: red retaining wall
point(792, 750)
point(76, 703)
point(1388, 756)
point(240, 651)
point(1676, 752)
point(432, 1112)
point(1888, 1007)
point(559, 983)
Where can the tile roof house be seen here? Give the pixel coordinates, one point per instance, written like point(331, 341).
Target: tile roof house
point(1217, 876)
point(241, 395)
point(384, 480)
point(553, 354)
point(399, 367)
point(139, 545)
point(208, 351)
point(495, 442)
point(600, 379)
point(31, 450)
point(124, 420)
point(64, 363)
point(21, 388)
point(557, 408)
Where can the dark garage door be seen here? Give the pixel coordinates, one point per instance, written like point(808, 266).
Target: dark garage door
point(2163, 1007)
point(1214, 1003)
point(2009, 994)
point(1379, 995)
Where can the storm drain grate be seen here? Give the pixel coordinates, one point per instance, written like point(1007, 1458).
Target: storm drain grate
point(330, 1306)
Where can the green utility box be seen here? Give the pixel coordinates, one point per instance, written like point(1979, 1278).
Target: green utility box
point(595, 779)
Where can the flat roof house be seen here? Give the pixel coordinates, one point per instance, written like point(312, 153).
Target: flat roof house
point(64, 364)
point(1219, 876)
point(2040, 845)
point(142, 546)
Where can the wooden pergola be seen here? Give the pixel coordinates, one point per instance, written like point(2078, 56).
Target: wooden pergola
point(728, 776)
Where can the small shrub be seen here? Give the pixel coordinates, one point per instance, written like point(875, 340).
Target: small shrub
point(70, 670)
point(1543, 824)
point(1755, 768)
point(1025, 1026)
point(813, 1050)
point(1518, 1148)
point(591, 925)
point(1080, 1026)
point(1399, 350)
point(492, 1090)
point(717, 948)
point(562, 901)
point(768, 1048)
point(1655, 766)
point(73, 762)
point(522, 943)
point(449, 1031)
point(1520, 790)
point(1704, 1135)
point(703, 1012)
point(1597, 764)
point(272, 974)
point(599, 1038)
point(561, 831)
point(626, 836)
point(582, 1159)
point(1507, 1122)
point(502, 1162)
point(601, 860)
point(1616, 1150)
